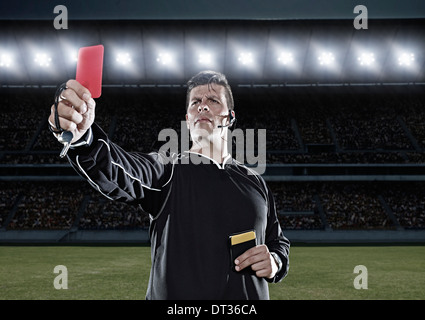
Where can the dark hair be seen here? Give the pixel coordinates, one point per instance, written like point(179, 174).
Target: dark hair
point(208, 77)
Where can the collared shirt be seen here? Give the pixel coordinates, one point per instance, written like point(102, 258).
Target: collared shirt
point(195, 204)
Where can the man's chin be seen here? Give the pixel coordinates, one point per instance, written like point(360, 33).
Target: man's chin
point(203, 130)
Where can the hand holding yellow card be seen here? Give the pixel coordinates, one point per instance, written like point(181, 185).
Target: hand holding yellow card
point(241, 242)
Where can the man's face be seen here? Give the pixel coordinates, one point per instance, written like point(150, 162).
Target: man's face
point(207, 109)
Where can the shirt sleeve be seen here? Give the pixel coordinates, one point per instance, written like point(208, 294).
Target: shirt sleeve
point(275, 240)
point(119, 175)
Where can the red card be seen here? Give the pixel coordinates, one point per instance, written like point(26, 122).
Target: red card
point(89, 69)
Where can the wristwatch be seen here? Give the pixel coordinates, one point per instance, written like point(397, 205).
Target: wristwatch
point(278, 260)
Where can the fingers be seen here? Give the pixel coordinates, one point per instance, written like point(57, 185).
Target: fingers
point(76, 110)
point(82, 92)
point(78, 96)
point(263, 269)
point(71, 98)
point(251, 256)
point(64, 123)
point(69, 118)
point(258, 258)
point(76, 107)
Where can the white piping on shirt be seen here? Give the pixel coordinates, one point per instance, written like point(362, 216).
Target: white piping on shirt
point(134, 178)
point(90, 180)
point(121, 167)
point(109, 149)
point(172, 170)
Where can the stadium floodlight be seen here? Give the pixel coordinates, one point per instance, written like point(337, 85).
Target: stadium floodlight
point(406, 59)
point(73, 56)
point(6, 60)
point(42, 59)
point(285, 58)
point(205, 58)
point(366, 59)
point(123, 58)
point(246, 58)
point(326, 58)
point(165, 58)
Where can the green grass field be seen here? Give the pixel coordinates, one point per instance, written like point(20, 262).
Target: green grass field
point(394, 272)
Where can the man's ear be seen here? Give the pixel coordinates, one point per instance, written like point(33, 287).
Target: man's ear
point(233, 114)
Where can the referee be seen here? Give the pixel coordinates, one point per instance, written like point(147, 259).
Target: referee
point(196, 200)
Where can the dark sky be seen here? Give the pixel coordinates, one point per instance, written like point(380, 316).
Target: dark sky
point(210, 9)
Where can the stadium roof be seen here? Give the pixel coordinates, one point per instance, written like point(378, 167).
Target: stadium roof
point(206, 9)
point(133, 49)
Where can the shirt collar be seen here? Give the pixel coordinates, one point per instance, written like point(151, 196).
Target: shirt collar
point(220, 166)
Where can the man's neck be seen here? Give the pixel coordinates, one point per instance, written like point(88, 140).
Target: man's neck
point(217, 153)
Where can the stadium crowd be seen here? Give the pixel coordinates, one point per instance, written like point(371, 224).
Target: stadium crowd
point(102, 214)
point(374, 130)
point(369, 129)
point(300, 206)
point(51, 205)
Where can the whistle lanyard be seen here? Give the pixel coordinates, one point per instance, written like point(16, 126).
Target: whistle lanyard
point(58, 93)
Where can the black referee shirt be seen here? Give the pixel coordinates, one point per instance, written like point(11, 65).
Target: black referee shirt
point(194, 204)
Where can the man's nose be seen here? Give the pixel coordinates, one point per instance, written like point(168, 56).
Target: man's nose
point(203, 106)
